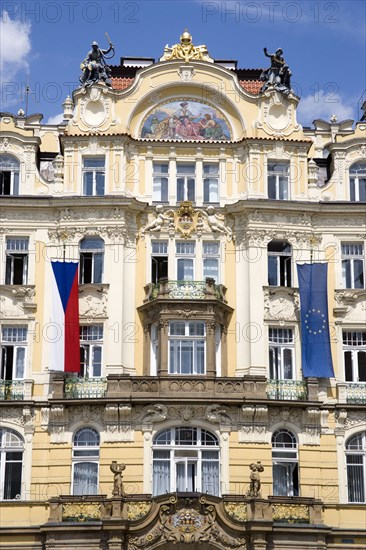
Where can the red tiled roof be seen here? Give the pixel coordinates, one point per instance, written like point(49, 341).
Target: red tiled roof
point(251, 86)
point(119, 83)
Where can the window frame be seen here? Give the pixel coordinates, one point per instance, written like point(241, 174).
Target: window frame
point(278, 344)
point(188, 452)
point(277, 174)
point(189, 256)
point(288, 462)
point(283, 263)
point(361, 454)
point(12, 449)
point(348, 260)
point(93, 253)
point(176, 346)
point(356, 176)
point(211, 257)
point(206, 177)
point(9, 163)
point(20, 253)
point(88, 346)
point(16, 345)
point(186, 177)
point(354, 344)
point(160, 175)
point(91, 458)
point(94, 170)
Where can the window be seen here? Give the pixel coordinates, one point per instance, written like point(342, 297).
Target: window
point(211, 260)
point(11, 458)
point(278, 180)
point(357, 181)
point(186, 182)
point(356, 467)
point(187, 347)
point(285, 468)
point(16, 265)
point(9, 175)
point(354, 349)
point(160, 182)
point(13, 346)
point(279, 263)
point(211, 183)
point(185, 252)
point(91, 338)
point(186, 460)
point(352, 265)
point(94, 175)
point(91, 260)
point(281, 354)
point(159, 260)
point(85, 456)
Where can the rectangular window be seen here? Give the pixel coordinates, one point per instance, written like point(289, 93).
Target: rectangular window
point(353, 265)
point(278, 180)
point(91, 260)
point(91, 345)
point(13, 347)
point(160, 182)
point(186, 182)
point(159, 260)
point(211, 260)
point(187, 347)
point(94, 176)
point(354, 350)
point(211, 183)
point(16, 265)
point(358, 188)
point(185, 252)
point(281, 354)
point(279, 263)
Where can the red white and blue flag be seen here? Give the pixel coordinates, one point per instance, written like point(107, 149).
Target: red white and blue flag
point(65, 308)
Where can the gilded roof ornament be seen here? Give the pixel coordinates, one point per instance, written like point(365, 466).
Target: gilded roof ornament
point(186, 51)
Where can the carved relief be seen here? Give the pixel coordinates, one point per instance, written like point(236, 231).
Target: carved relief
point(137, 510)
point(17, 301)
point(281, 304)
point(94, 109)
point(93, 301)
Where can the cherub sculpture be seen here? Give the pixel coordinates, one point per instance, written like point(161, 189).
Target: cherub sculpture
point(158, 222)
point(217, 223)
point(117, 470)
point(255, 481)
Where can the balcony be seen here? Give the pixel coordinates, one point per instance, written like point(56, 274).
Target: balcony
point(351, 392)
point(84, 388)
point(12, 390)
point(287, 390)
point(185, 290)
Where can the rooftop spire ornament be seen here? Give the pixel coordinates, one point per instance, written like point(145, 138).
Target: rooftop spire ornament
point(186, 51)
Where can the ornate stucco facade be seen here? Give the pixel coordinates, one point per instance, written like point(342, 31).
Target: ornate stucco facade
point(189, 196)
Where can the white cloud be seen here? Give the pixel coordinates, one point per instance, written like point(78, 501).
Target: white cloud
point(15, 46)
point(322, 105)
point(57, 119)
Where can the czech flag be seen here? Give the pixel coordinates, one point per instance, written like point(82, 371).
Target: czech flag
point(65, 306)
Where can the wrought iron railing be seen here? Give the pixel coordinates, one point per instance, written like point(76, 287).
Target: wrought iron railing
point(356, 393)
point(11, 390)
point(287, 390)
point(85, 388)
point(182, 290)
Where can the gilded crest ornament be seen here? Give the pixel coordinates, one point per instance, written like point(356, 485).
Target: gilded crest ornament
point(187, 220)
point(186, 51)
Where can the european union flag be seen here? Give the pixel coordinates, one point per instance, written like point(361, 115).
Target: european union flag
point(315, 340)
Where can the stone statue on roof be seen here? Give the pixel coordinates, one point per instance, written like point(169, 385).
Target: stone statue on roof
point(94, 67)
point(186, 51)
point(278, 74)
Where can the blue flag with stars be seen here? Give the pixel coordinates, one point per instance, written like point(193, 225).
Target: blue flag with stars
point(315, 339)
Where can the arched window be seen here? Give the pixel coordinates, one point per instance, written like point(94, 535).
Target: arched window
point(285, 467)
point(356, 467)
point(9, 175)
point(186, 460)
point(279, 263)
point(11, 459)
point(91, 260)
point(357, 182)
point(85, 455)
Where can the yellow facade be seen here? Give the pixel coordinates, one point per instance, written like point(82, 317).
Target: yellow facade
point(188, 240)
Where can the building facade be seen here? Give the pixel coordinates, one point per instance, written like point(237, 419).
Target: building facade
point(188, 192)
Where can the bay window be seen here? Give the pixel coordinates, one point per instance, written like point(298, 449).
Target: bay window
point(187, 342)
point(278, 180)
point(94, 176)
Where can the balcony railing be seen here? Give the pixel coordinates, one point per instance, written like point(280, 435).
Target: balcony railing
point(289, 390)
point(356, 393)
point(11, 390)
point(185, 290)
point(85, 388)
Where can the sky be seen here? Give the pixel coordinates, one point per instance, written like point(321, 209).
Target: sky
point(42, 44)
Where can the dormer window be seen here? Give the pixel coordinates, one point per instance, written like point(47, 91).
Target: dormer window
point(279, 180)
point(357, 182)
point(94, 176)
point(9, 175)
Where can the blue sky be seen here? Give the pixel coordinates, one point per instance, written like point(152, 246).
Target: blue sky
point(43, 43)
